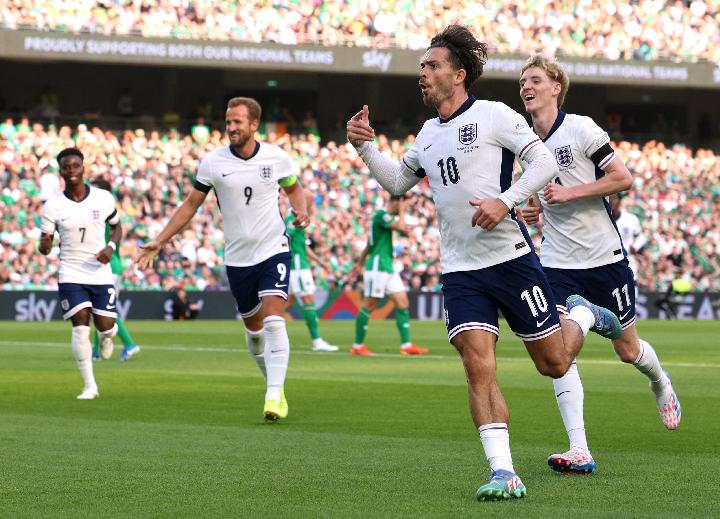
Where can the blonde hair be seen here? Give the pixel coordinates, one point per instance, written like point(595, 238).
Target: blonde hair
point(253, 107)
point(554, 71)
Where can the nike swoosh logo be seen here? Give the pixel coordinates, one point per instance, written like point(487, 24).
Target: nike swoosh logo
point(279, 286)
point(227, 174)
point(427, 147)
point(623, 316)
point(110, 307)
point(540, 323)
point(561, 393)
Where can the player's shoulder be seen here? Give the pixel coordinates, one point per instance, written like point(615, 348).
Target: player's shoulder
point(580, 122)
point(272, 151)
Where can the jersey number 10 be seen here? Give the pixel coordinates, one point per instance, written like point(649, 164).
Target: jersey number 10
point(453, 175)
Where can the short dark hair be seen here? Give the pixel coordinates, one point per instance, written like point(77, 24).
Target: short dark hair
point(397, 197)
point(466, 52)
point(67, 152)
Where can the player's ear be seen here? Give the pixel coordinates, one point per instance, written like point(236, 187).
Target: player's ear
point(255, 124)
point(460, 75)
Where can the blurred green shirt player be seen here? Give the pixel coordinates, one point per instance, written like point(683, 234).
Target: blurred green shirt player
point(302, 283)
point(129, 347)
point(380, 279)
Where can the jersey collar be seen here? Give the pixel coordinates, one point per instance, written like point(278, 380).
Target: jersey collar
point(463, 108)
point(87, 194)
point(255, 152)
point(558, 121)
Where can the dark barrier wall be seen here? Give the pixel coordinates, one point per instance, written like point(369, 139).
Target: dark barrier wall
point(44, 306)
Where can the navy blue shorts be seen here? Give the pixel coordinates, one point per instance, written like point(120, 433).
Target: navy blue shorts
point(611, 286)
point(249, 284)
point(518, 288)
point(76, 296)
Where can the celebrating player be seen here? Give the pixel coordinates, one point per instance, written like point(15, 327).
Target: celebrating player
point(79, 215)
point(380, 279)
point(582, 251)
point(486, 254)
point(246, 177)
point(302, 283)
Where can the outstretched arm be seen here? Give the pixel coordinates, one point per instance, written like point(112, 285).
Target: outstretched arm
point(178, 220)
point(395, 178)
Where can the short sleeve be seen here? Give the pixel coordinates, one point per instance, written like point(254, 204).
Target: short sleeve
point(284, 166)
point(385, 219)
point(591, 137)
point(113, 217)
point(48, 218)
point(203, 179)
point(511, 131)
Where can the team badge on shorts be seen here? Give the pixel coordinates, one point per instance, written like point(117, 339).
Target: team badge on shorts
point(564, 156)
point(467, 133)
point(65, 305)
point(266, 173)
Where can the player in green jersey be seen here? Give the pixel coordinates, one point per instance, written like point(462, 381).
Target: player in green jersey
point(380, 279)
point(130, 348)
point(302, 284)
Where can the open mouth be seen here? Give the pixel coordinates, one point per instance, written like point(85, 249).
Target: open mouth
point(528, 97)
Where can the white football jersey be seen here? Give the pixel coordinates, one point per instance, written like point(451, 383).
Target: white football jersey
point(471, 156)
point(248, 193)
point(579, 234)
point(631, 231)
point(81, 226)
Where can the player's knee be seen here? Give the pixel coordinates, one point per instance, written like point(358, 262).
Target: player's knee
point(626, 353)
point(552, 368)
point(109, 334)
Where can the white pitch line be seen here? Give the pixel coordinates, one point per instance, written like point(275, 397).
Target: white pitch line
point(241, 349)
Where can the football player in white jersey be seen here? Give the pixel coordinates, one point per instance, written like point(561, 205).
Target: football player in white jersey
point(246, 177)
point(630, 229)
point(79, 215)
point(488, 262)
point(582, 251)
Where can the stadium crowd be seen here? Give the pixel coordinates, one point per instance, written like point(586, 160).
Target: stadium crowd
point(676, 194)
point(682, 30)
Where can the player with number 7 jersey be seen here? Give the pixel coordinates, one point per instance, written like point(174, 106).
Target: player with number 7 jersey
point(246, 177)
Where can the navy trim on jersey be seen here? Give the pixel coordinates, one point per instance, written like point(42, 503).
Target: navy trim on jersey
point(558, 121)
point(599, 173)
point(87, 194)
point(601, 154)
point(463, 108)
point(202, 187)
point(419, 173)
point(506, 169)
point(255, 152)
point(111, 216)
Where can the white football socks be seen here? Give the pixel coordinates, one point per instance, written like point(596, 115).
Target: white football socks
point(649, 365)
point(495, 439)
point(584, 317)
point(82, 350)
point(570, 398)
point(109, 334)
point(256, 345)
point(277, 355)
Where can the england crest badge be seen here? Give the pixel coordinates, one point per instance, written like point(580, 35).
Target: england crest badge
point(564, 156)
point(467, 133)
point(266, 173)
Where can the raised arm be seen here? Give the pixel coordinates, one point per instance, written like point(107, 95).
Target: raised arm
point(178, 220)
point(396, 178)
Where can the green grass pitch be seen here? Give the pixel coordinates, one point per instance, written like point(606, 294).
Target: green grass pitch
point(178, 431)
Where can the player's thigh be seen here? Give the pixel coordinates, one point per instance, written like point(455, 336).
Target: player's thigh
point(273, 281)
point(375, 283)
point(302, 283)
point(549, 354)
point(104, 301)
point(613, 286)
point(75, 297)
point(467, 305)
point(525, 298)
point(244, 282)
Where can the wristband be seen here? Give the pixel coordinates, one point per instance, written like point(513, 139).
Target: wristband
point(112, 245)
